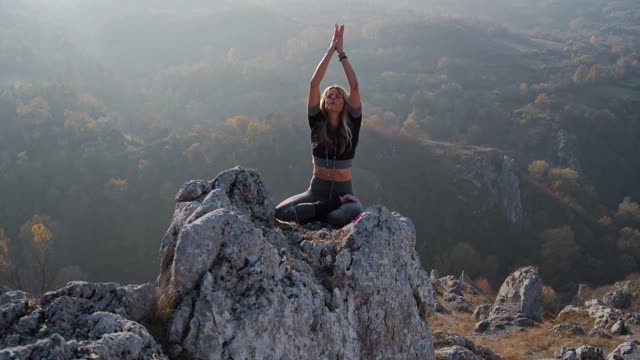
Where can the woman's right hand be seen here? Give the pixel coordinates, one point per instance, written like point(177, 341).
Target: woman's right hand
point(348, 198)
point(336, 37)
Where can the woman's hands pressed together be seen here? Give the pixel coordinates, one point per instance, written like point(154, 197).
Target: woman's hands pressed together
point(336, 41)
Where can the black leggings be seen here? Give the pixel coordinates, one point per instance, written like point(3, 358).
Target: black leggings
point(320, 202)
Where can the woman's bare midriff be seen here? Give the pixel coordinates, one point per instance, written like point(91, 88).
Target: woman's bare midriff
point(332, 174)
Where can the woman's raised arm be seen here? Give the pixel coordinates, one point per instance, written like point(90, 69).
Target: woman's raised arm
point(354, 91)
point(314, 85)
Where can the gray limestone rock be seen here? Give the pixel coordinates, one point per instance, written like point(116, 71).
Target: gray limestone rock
point(482, 311)
point(458, 303)
point(234, 286)
point(571, 311)
point(487, 354)
point(566, 353)
point(456, 353)
point(13, 304)
point(573, 329)
point(509, 189)
point(523, 322)
point(434, 275)
point(131, 301)
point(567, 150)
point(626, 351)
point(455, 340)
point(192, 190)
point(588, 352)
point(604, 317)
point(482, 326)
point(619, 328)
point(247, 193)
point(617, 299)
point(521, 292)
point(68, 327)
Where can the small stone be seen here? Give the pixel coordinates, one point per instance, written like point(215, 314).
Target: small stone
point(617, 299)
point(619, 328)
point(482, 326)
point(523, 322)
point(588, 352)
point(434, 275)
point(487, 354)
point(481, 311)
point(455, 353)
point(29, 323)
point(192, 190)
point(574, 329)
point(560, 352)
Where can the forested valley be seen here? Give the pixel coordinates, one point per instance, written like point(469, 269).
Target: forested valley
point(106, 109)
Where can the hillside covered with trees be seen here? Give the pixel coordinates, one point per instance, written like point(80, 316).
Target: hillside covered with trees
point(106, 110)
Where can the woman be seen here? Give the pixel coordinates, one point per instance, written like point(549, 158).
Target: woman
point(334, 120)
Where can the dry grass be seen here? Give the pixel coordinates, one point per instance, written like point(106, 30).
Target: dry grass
point(539, 342)
point(454, 323)
point(524, 343)
point(521, 343)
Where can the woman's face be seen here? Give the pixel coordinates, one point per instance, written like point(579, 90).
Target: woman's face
point(334, 101)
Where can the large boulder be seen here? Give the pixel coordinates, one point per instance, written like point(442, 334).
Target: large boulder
point(518, 302)
point(233, 285)
point(521, 293)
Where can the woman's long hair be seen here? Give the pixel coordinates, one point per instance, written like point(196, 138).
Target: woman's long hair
point(343, 140)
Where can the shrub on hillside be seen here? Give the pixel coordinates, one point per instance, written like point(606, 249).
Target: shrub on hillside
point(550, 305)
point(483, 284)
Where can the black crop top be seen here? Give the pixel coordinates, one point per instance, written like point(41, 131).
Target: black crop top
point(315, 120)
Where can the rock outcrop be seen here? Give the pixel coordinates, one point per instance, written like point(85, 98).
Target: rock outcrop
point(455, 293)
point(81, 320)
point(509, 188)
point(235, 286)
point(518, 301)
point(497, 175)
point(606, 320)
point(235, 283)
point(626, 351)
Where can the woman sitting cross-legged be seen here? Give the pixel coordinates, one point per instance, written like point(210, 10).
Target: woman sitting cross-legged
point(334, 120)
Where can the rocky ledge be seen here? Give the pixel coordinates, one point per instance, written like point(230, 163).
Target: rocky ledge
point(235, 283)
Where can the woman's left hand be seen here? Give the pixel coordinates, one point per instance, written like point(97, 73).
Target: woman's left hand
point(348, 198)
point(339, 41)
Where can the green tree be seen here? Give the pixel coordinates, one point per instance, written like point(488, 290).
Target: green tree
point(580, 75)
point(629, 242)
point(559, 253)
point(628, 212)
point(79, 123)
point(538, 169)
point(37, 244)
point(466, 257)
point(36, 111)
point(564, 180)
